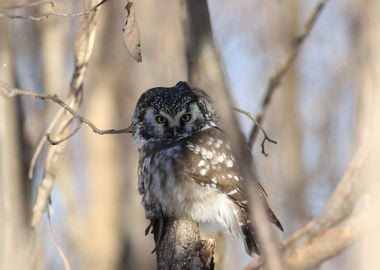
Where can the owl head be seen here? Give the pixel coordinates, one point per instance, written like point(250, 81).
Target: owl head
point(171, 113)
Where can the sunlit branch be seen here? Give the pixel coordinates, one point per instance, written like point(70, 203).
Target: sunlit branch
point(283, 67)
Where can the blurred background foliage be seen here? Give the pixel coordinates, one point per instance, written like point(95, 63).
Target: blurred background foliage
point(97, 214)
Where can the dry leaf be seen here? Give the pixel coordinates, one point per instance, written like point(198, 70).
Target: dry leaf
point(131, 33)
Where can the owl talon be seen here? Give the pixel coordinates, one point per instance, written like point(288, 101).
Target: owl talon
point(149, 228)
point(158, 230)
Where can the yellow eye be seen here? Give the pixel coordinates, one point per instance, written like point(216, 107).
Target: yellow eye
point(186, 117)
point(160, 119)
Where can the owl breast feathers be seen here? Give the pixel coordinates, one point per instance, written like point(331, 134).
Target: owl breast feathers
point(186, 167)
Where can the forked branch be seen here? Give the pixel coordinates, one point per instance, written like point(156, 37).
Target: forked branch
point(266, 137)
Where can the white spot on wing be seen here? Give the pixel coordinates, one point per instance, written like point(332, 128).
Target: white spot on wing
point(203, 172)
point(197, 149)
point(229, 163)
point(201, 163)
point(214, 161)
point(232, 192)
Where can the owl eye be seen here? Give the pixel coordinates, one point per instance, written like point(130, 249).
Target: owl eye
point(186, 117)
point(161, 119)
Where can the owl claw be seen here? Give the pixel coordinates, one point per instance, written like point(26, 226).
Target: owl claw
point(158, 231)
point(149, 228)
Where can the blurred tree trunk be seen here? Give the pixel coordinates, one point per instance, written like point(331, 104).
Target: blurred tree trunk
point(368, 129)
point(96, 233)
point(204, 70)
point(19, 249)
point(286, 126)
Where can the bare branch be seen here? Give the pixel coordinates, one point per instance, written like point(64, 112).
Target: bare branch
point(341, 202)
point(283, 67)
point(321, 247)
point(266, 137)
point(44, 16)
point(10, 92)
point(311, 245)
point(55, 142)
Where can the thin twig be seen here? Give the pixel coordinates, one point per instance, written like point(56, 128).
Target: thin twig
point(55, 142)
point(44, 16)
point(266, 137)
point(32, 4)
point(61, 253)
point(10, 92)
point(283, 67)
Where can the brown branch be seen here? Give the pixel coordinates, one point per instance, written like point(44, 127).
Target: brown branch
point(327, 243)
point(266, 137)
point(44, 16)
point(182, 249)
point(10, 92)
point(55, 142)
point(341, 202)
point(312, 244)
point(283, 67)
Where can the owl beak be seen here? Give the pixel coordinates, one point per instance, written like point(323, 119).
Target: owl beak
point(174, 131)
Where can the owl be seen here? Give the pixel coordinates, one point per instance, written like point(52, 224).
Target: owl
point(186, 166)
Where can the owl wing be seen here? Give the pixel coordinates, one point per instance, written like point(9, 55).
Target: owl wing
point(209, 161)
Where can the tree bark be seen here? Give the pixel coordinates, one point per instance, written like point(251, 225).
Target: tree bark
point(181, 247)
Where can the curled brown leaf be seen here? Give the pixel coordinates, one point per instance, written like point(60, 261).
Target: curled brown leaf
point(131, 33)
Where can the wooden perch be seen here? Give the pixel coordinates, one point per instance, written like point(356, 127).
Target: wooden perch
point(182, 249)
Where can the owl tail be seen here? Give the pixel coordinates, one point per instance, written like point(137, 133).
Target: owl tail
point(250, 242)
point(248, 232)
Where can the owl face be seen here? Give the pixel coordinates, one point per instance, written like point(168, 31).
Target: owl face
point(167, 114)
